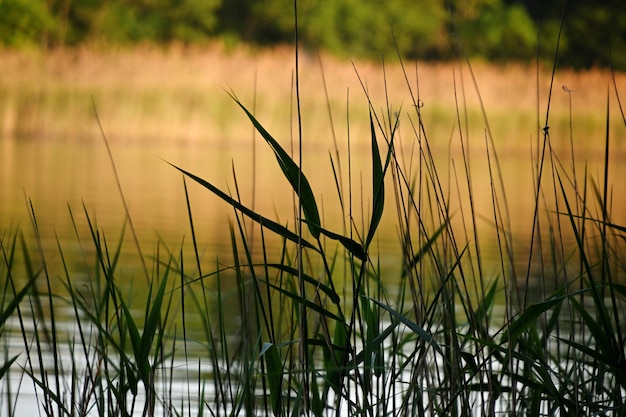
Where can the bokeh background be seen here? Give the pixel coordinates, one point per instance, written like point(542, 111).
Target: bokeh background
point(594, 33)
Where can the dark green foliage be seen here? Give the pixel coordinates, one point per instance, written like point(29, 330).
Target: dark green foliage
point(365, 28)
point(67, 22)
point(156, 20)
point(594, 32)
point(25, 23)
point(498, 32)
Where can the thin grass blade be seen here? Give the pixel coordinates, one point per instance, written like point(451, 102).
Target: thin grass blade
point(303, 301)
point(272, 225)
point(269, 351)
point(528, 318)
point(351, 245)
point(332, 294)
point(425, 248)
point(293, 173)
point(378, 186)
point(417, 329)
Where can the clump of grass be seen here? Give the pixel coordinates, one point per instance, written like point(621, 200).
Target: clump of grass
point(319, 328)
point(349, 345)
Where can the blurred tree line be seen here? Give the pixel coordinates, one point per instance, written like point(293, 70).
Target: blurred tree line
point(594, 31)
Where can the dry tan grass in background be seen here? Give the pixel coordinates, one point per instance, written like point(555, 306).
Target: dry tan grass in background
point(180, 94)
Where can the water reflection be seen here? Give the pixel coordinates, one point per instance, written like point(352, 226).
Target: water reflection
point(57, 176)
point(62, 175)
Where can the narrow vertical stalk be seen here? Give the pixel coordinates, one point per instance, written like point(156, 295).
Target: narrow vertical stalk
point(303, 313)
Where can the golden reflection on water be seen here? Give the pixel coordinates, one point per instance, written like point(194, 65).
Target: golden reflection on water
point(60, 161)
point(57, 176)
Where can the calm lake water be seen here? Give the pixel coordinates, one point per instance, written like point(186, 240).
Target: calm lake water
point(57, 176)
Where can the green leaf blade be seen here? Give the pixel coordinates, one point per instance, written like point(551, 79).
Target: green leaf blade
point(378, 186)
point(264, 221)
point(274, 374)
point(293, 173)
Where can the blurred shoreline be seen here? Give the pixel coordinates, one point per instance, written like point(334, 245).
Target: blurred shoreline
point(182, 94)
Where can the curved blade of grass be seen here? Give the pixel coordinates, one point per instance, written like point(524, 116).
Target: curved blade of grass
point(373, 352)
point(332, 294)
point(142, 343)
point(480, 318)
point(602, 336)
point(528, 318)
point(274, 374)
point(482, 312)
point(593, 219)
point(351, 245)
point(52, 396)
point(593, 354)
point(154, 318)
point(7, 366)
point(378, 186)
point(317, 405)
point(303, 301)
point(8, 311)
point(293, 173)
point(135, 341)
point(335, 358)
point(269, 224)
point(425, 248)
point(376, 342)
point(603, 314)
point(413, 326)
